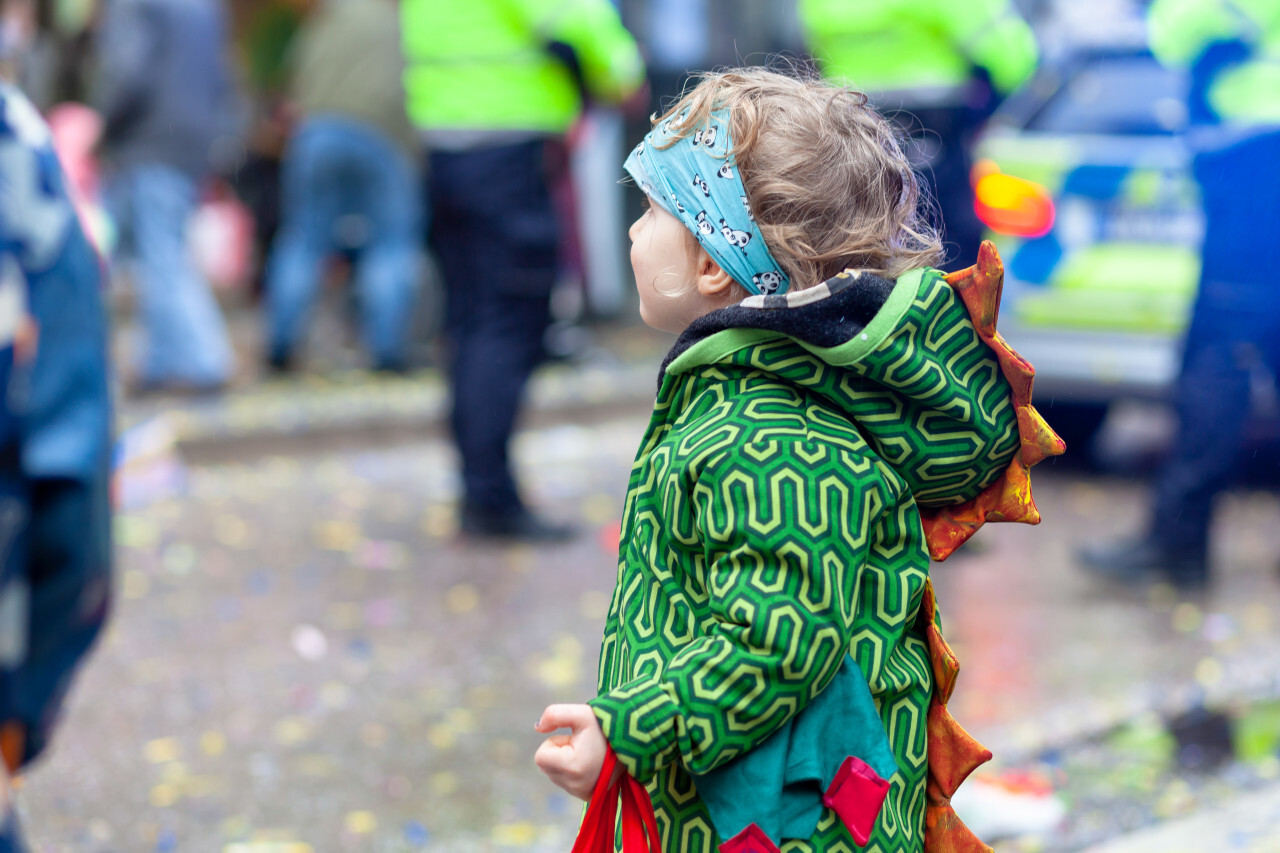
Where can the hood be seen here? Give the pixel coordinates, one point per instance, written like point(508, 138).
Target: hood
point(900, 360)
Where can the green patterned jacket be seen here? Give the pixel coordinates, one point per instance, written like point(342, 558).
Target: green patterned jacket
point(772, 527)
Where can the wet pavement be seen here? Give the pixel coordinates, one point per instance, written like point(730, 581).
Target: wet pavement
point(1245, 823)
point(305, 656)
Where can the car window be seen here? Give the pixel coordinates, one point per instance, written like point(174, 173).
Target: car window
point(1116, 95)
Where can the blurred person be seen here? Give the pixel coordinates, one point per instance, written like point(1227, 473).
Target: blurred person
point(1231, 49)
point(773, 635)
point(677, 39)
point(163, 88)
point(350, 180)
point(54, 432)
point(263, 32)
point(936, 67)
point(493, 85)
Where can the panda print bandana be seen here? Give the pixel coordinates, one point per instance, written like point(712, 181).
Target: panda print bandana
point(695, 180)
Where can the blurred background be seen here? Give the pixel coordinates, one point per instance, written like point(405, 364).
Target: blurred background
point(308, 654)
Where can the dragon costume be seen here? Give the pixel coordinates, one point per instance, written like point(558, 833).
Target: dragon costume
point(807, 456)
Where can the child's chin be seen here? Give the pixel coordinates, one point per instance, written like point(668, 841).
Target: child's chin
point(659, 324)
point(648, 319)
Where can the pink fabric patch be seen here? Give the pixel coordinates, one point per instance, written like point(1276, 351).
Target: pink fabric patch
point(750, 840)
point(856, 795)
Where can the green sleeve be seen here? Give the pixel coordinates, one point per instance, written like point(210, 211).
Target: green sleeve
point(784, 535)
point(1180, 29)
point(611, 65)
point(994, 37)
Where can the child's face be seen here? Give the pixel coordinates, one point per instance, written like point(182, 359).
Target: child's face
point(665, 271)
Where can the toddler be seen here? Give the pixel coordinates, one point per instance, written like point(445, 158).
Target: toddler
point(830, 414)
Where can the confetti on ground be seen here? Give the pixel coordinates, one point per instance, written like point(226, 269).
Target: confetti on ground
point(462, 598)
point(444, 783)
point(161, 750)
point(163, 796)
point(338, 535)
point(309, 642)
point(564, 667)
point(515, 834)
point(291, 731)
point(360, 822)
point(305, 637)
point(442, 736)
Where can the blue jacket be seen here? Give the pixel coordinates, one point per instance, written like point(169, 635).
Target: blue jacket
point(162, 83)
point(54, 435)
point(1231, 49)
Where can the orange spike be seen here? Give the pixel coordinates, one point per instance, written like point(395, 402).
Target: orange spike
point(946, 667)
point(953, 752)
point(1008, 498)
point(944, 832)
point(1038, 438)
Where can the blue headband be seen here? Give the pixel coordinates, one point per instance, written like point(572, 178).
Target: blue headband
point(695, 180)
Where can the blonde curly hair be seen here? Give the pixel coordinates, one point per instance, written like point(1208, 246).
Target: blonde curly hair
point(826, 175)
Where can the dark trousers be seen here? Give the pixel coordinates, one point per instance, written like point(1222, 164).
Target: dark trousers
point(494, 233)
point(941, 137)
point(1233, 338)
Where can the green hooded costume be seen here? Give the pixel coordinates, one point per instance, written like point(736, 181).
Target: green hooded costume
point(805, 453)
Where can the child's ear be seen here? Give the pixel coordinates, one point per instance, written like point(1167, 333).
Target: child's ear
point(713, 282)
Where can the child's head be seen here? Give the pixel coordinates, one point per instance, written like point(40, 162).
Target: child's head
point(812, 172)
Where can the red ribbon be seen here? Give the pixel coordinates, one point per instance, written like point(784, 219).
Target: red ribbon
point(639, 828)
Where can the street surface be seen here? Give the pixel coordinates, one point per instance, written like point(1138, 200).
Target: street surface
point(305, 657)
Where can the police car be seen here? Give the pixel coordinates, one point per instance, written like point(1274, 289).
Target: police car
point(1085, 183)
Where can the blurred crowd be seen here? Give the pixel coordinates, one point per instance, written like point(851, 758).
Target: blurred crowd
point(264, 149)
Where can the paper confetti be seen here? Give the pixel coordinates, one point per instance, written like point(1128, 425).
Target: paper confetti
point(360, 822)
point(309, 642)
point(462, 598)
point(161, 750)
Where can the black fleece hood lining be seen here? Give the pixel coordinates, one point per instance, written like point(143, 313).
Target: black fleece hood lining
point(824, 322)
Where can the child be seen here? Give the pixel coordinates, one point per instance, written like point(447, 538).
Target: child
point(55, 421)
point(816, 433)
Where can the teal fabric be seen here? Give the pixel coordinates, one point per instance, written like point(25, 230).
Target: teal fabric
point(695, 180)
point(805, 753)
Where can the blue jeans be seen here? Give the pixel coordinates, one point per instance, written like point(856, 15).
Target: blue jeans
point(346, 187)
point(185, 336)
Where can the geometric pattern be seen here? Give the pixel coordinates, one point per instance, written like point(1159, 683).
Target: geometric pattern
point(773, 525)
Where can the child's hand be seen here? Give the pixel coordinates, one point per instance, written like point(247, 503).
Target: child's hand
point(572, 761)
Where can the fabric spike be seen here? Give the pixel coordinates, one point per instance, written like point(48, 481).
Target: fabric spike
point(953, 752)
point(1037, 436)
point(946, 667)
point(942, 822)
point(1008, 498)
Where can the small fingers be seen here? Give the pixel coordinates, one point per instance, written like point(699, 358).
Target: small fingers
point(561, 765)
point(575, 717)
point(552, 756)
